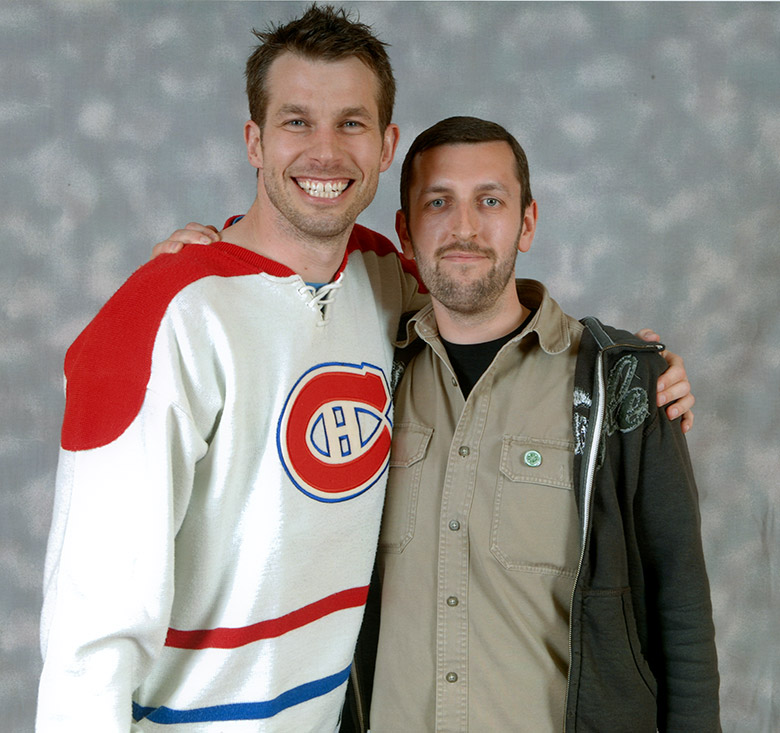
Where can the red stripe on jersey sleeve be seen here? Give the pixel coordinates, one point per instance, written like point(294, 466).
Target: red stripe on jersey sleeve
point(367, 240)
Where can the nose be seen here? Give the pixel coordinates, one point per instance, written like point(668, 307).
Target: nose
point(465, 225)
point(325, 147)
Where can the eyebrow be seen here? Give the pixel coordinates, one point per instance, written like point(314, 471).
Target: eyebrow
point(359, 111)
point(291, 109)
point(297, 109)
point(486, 187)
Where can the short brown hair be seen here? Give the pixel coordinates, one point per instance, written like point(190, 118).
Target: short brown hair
point(320, 33)
point(457, 130)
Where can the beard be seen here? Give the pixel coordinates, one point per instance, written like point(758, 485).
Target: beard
point(459, 292)
point(318, 225)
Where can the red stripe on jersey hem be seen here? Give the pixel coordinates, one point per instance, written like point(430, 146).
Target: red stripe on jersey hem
point(232, 638)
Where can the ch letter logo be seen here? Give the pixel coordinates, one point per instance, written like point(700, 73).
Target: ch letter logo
point(334, 433)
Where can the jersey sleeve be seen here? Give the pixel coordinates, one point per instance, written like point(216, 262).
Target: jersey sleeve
point(109, 567)
point(138, 417)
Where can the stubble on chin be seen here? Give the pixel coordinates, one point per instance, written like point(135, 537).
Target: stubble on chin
point(323, 226)
point(456, 291)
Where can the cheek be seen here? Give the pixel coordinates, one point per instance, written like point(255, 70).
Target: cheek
point(425, 235)
point(279, 152)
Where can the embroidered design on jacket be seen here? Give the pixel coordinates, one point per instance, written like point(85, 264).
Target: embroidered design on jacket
point(626, 409)
point(582, 402)
point(626, 405)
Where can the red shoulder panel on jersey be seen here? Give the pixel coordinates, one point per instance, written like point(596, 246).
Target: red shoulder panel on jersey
point(367, 240)
point(108, 365)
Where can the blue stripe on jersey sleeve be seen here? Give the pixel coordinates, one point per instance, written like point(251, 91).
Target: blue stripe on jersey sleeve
point(246, 710)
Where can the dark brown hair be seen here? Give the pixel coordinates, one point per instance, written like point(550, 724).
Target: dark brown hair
point(457, 130)
point(324, 33)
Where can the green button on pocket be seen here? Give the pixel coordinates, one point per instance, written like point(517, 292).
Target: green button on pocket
point(532, 458)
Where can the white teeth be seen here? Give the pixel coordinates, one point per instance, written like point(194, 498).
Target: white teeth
point(323, 190)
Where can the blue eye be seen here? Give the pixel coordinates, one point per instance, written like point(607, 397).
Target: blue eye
point(436, 203)
point(491, 202)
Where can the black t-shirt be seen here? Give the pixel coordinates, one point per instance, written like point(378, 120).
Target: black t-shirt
point(471, 360)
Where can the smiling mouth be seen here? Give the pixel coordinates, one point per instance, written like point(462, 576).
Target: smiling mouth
point(459, 253)
point(323, 189)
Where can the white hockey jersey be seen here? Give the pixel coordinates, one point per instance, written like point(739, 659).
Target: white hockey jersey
point(221, 479)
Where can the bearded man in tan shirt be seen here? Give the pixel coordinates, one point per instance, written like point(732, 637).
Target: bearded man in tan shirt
point(540, 552)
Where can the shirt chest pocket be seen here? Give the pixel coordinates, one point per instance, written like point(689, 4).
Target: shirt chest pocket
point(535, 524)
point(410, 446)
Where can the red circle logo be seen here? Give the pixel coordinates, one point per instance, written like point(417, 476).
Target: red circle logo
point(334, 433)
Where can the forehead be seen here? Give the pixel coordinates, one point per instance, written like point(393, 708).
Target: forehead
point(463, 165)
point(321, 85)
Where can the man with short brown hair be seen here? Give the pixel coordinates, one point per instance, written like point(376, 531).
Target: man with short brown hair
point(540, 552)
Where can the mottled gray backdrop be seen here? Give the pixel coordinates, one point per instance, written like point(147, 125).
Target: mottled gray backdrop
point(653, 133)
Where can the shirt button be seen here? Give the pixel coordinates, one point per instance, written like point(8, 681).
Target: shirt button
point(452, 601)
point(451, 677)
point(454, 525)
point(463, 451)
point(532, 458)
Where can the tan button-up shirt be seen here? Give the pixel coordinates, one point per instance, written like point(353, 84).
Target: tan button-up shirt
point(480, 539)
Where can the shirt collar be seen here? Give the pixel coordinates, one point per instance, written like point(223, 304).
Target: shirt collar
point(549, 322)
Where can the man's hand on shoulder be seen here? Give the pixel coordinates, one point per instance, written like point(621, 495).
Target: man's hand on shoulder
point(673, 385)
point(193, 233)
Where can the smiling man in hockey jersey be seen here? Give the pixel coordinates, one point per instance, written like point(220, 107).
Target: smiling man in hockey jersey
point(227, 431)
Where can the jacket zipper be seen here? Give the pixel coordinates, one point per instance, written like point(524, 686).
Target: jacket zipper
point(592, 456)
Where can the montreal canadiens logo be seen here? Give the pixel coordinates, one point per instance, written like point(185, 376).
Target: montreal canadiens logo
point(334, 433)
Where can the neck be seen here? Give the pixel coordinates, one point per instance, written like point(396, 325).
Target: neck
point(487, 325)
point(265, 231)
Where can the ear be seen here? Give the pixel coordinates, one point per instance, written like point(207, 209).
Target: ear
point(403, 234)
point(254, 149)
point(389, 143)
point(529, 227)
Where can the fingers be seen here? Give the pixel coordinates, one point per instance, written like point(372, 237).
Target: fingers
point(687, 421)
point(647, 334)
point(168, 247)
point(673, 383)
point(674, 390)
point(680, 406)
point(193, 233)
point(208, 233)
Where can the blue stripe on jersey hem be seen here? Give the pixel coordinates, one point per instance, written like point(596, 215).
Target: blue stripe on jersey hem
point(243, 710)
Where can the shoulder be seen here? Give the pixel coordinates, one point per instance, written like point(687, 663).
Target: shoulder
point(137, 308)
point(624, 369)
point(364, 239)
point(614, 342)
point(107, 367)
point(367, 242)
point(627, 360)
point(605, 335)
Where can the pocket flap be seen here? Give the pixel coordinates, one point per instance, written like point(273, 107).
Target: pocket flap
point(538, 461)
point(410, 441)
